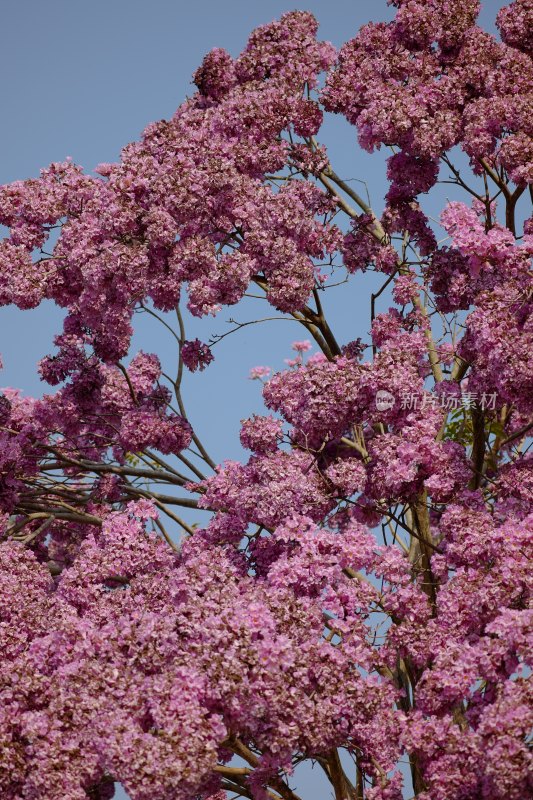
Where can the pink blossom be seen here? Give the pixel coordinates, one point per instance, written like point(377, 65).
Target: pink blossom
point(196, 355)
point(356, 593)
point(301, 347)
point(259, 373)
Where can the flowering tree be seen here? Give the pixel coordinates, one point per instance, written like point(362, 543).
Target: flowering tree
point(359, 596)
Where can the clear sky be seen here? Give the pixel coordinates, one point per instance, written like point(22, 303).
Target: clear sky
point(82, 78)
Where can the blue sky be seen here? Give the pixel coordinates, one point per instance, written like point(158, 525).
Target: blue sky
point(82, 79)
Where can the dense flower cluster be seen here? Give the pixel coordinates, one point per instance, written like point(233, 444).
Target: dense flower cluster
point(119, 632)
point(362, 584)
point(196, 355)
